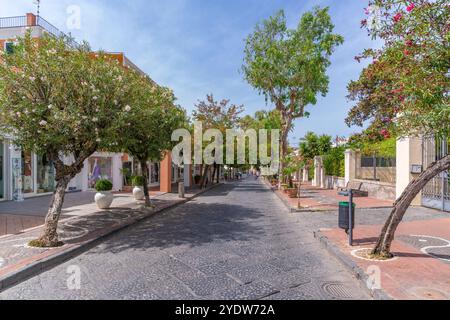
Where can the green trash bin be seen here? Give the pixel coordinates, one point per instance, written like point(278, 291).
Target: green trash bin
point(344, 221)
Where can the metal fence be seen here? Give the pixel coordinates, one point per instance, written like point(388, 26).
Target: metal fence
point(376, 169)
point(21, 21)
point(437, 193)
point(13, 22)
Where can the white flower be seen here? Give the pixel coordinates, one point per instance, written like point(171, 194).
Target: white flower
point(127, 108)
point(94, 98)
point(98, 140)
point(95, 119)
point(50, 106)
point(116, 102)
point(43, 123)
point(32, 78)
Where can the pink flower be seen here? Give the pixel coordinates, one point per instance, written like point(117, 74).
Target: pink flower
point(410, 7)
point(398, 17)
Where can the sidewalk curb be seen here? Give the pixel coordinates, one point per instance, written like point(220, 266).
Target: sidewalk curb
point(310, 210)
point(285, 202)
point(70, 251)
point(350, 265)
point(288, 205)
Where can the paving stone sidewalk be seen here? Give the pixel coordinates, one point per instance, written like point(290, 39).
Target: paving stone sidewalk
point(81, 225)
point(420, 269)
point(317, 199)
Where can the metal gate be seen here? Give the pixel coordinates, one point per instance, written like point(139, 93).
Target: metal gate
point(437, 193)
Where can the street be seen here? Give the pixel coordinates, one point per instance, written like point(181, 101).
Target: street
point(235, 242)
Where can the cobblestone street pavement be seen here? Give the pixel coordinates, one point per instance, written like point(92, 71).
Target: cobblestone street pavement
point(235, 242)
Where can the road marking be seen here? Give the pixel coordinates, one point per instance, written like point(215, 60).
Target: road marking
point(425, 250)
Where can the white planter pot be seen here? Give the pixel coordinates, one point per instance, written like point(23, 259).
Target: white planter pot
point(104, 199)
point(138, 193)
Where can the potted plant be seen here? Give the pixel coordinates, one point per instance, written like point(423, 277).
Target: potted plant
point(197, 179)
point(138, 190)
point(104, 196)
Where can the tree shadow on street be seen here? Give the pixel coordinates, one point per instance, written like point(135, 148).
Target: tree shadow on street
point(192, 224)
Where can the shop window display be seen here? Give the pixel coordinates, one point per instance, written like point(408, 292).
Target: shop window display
point(27, 172)
point(99, 168)
point(45, 175)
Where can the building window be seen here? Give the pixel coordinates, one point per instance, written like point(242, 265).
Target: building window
point(27, 172)
point(127, 172)
point(154, 175)
point(2, 161)
point(9, 47)
point(99, 168)
point(45, 175)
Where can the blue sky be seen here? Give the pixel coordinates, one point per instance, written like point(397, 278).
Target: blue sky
point(196, 46)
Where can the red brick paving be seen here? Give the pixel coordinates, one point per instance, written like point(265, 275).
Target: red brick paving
point(12, 224)
point(320, 199)
point(413, 274)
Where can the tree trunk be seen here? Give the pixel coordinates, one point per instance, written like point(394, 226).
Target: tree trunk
point(203, 179)
point(144, 168)
point(49, 236)
point(285, 128)
point(383, 247)
point(214, 173)
point(218, 175)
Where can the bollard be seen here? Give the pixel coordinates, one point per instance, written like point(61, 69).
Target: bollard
point(181, 190)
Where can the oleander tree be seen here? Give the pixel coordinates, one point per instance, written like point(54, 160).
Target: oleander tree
point(149, 121)
point(61, 102)
point(220, 115)
point(262, 120)
point(289, 66)
point(406, 86)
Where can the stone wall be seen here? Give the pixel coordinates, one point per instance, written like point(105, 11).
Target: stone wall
point(379, 190)
point(383, 174)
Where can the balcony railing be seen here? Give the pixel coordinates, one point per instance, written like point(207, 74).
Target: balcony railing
point(13, 22)
point(21, 21)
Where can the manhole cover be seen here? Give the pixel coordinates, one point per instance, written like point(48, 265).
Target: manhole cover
point(337, 290)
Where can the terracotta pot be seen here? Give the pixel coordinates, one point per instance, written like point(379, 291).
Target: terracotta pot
point(292, 193)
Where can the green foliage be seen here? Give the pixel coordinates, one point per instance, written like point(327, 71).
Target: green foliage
point(289, 66)
point(137, 181)
point(150, 118)
point(103, 185)
point(57, 101)
point(406, 84)
point(313, 145)
point(385, 148)
point(334, 162)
